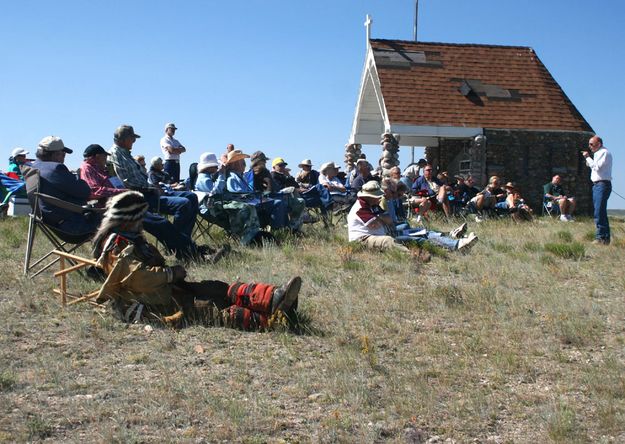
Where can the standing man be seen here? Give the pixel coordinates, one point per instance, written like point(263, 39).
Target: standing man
point(601, 176)
point(171, 152)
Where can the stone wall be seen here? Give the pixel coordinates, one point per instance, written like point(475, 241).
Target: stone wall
point(528, 158)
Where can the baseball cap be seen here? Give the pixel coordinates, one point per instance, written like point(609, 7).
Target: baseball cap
point(53, 143)
point(18, 152)
point(94, 149)
point(278, 161)
point(124, 131)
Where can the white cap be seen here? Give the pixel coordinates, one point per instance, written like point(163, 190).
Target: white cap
point(18, 152)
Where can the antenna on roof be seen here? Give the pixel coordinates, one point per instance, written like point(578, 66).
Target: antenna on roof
point(368, 22)
point(416, 19)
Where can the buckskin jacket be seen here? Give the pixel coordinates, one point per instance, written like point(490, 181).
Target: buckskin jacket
point(136, 272)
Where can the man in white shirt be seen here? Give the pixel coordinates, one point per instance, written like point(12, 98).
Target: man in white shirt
point(600, 164)
point(171, 152)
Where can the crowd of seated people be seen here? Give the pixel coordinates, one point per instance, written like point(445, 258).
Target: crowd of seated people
point(251, 203)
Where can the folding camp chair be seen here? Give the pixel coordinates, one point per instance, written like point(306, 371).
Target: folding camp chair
point(550, 208)
point(61, 240)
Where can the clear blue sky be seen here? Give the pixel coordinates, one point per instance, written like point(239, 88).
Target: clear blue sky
point(275, 75)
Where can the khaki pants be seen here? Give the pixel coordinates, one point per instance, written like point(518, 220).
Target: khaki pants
point(382, 243)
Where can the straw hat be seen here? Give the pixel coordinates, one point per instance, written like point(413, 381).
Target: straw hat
point(236, 155)
point(305, 162)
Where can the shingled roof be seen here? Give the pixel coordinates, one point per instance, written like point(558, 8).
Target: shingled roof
point(464, 85)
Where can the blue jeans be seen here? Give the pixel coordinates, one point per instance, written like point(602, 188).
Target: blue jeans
point(164, 231)
point(432, 237)
point(182, 205)
point(600, 194)
point(173, 169)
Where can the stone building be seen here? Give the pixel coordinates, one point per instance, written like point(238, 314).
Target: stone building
point(478, 109)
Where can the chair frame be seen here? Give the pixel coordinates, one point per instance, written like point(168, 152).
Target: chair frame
point(68, 264)
point(62, 241)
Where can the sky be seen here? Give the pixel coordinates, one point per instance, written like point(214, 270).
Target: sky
point(273, 75)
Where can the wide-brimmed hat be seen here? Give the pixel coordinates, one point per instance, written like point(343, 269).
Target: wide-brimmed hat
point(510, 186)
point(236, 155)
point(53, 143)
point(129, 206)
point(278, 161)
point(327, 166)
point(207, 160)
point(371, 189)
point(258, 156)
point(18, 152)
point(170, 125)
point(92, 150)
point(305, 162)
point(156, 161)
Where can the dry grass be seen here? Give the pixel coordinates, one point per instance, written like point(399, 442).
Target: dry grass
point(520, 341)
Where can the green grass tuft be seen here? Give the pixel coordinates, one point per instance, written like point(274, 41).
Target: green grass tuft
point(573, 250)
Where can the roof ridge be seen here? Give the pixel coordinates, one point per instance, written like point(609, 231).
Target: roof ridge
point(452, 44)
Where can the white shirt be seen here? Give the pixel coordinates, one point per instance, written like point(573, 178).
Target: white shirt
point(170, 141)
point(357, 228)
point(600, 165)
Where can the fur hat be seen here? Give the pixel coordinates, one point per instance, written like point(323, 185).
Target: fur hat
point(129, 206)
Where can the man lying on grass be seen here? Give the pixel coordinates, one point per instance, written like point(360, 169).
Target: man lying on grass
point(367, 223)
point(138, 278)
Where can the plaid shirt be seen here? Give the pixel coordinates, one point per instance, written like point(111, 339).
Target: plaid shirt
point(127, 168)
point(98, 180)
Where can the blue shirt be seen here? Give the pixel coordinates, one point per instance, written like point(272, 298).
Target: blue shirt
point(207, 184)
point(236, 183)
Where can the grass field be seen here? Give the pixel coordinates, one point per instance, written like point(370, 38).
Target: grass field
point(522, 340)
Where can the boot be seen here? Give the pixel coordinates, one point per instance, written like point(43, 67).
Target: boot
point(285, 297)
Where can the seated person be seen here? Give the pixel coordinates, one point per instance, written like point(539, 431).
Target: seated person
point(489, 196)
point(157, 176)
point(428, 191)
point(395, 174)
point(515, 204)
point(137, 274)
point(238, 218)
point(183, 205)
point(94, 172)
point(58, 181)
point(16, 161)
point(554, 192)
point(364, 175)
point(330, 180)
point(366, 224)
point(140, 158)
point(258, 175)
point(413, 171)
point(465, 189)
point(307, 177)
point(285, 182)
point(272, 212)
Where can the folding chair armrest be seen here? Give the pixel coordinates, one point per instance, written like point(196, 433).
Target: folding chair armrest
point(55, 201)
